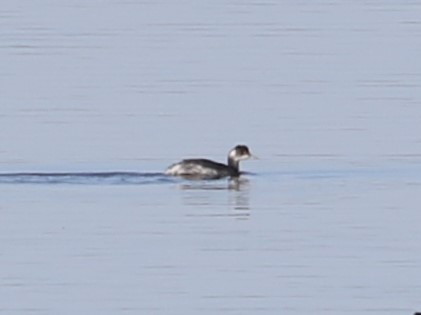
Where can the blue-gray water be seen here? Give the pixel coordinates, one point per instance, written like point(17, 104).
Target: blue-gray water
point(98, 97)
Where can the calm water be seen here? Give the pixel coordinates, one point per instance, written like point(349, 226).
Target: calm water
point(108, 93)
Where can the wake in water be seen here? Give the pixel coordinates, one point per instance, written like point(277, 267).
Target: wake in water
point(90, 178)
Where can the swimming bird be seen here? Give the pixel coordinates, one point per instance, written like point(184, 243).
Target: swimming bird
point(207, 169)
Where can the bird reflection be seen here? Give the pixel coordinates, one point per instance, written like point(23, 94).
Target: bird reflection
point(237, 184)
point(201, 194)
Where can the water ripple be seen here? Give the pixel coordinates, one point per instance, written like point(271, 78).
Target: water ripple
point(88, 178)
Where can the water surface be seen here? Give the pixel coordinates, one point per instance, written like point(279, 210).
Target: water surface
point(97, 98)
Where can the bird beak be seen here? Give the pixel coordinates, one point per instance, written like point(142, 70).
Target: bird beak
point(253, 157)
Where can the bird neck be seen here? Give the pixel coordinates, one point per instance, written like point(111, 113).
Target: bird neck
point(234, 164)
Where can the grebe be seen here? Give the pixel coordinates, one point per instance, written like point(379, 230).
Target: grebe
point(207, 169)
